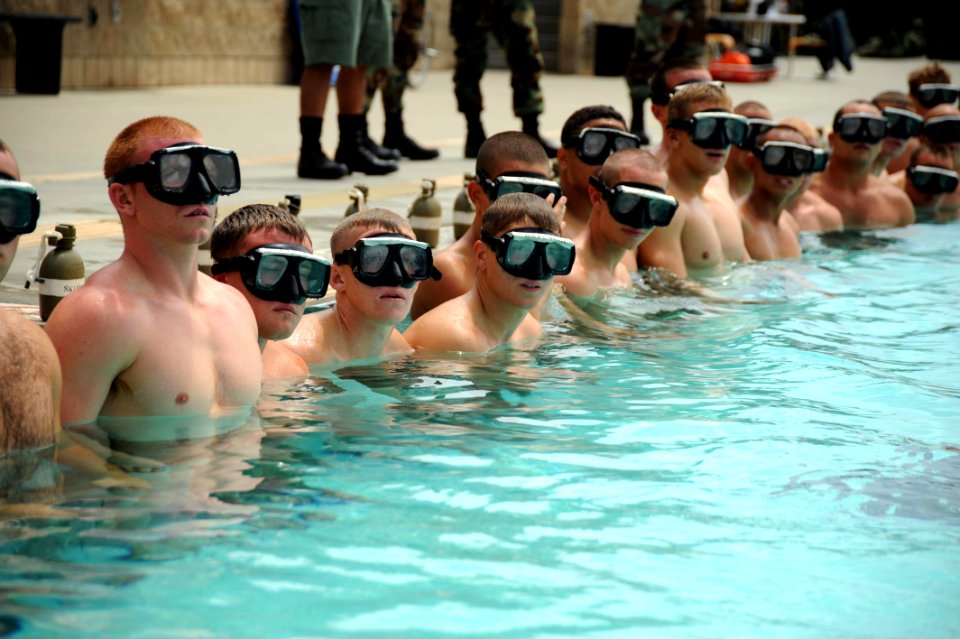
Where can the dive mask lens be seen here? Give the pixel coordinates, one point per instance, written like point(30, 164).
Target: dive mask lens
point(19, 207)
point(755, 128)
point(943, 130)
point(861, 127)
point(285, 273)
point(532, 254)
point(518, 182)
point(389, 260)
point(184, 174)
point(596, 144)
point(713, 129)
point(637, 205)
point(932, 94)
point(787, 158)
point(902, 124)
point(932, 180)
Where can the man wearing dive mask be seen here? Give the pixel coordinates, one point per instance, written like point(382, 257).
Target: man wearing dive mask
point(30, 374)
point(265, 253)
point(507, 161)
point(629, 201)
point(149, 335)
point(779, 161)
point(705, 232)
point(865, 200)
point(812, 212)
point(739, 175)
point(377, 266)
point(903, 127)
point(587, 139)
point(519, 253)
point(928, 181)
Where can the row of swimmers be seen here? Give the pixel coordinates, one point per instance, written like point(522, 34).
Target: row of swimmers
point(148, 335)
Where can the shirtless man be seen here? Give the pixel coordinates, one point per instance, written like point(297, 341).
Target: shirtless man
point(781, 158)
point(149, 335)
point(588, 138)
point(377, 265)
point(29, 369)
point(929, 86)
point(665, 81)
point(928, 180)
point(942, 128)
point(518, 254)
point(739, 173)
point(812, 212)
point(903, 127)
point(265, 253)
point(705, 232)
point(629, 201)
point(507, 162)
point(865, 200)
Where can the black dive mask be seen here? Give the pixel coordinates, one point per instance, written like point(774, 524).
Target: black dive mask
point(932, 180)
point(786, 158)
point(713, 129)
point(637, 205)
point(943, 130)
point(595, 144)
point(185, 174)
point(286, 273)
point(902, 124)
point(861, 127)
point(19, 209)
point(532, 253)
point(755, 128)
point(389, 259)
point(518, 182)
point(820, 159)
point(932, 94)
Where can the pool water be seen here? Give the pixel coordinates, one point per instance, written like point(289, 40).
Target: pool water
point(784, 462)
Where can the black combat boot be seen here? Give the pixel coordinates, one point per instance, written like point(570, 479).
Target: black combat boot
point(353, 151)
point(313, 163)
point(531, 127)
point(381, 152)
point(396, 138)
point(475, 136)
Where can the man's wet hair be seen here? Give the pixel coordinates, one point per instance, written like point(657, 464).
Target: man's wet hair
point(932, 73)
point(659, 90)
point(575, 123)
point(124, 146)
point(896, 99)
point(747, 105)
point(514, 208)
point(381, 218)
point(613, 168)
point(936, 150)
point(509, 146)
point(230, 233)
point(681, 105)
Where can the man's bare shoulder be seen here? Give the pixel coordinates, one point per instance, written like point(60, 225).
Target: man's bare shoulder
point(448, 327)
point(308, 340)
point(29, 385)
point(457, 270)
point(281, 362)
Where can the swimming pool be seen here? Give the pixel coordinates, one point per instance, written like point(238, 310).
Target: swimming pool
point(782, 468)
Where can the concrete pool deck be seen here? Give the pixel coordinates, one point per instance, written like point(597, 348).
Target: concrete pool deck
point(60, 141)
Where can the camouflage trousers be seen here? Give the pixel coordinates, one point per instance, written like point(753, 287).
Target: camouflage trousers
point(392, 81)
point(666, 30)
point(513, 24)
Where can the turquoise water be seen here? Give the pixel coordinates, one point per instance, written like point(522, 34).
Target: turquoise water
point(788, 467)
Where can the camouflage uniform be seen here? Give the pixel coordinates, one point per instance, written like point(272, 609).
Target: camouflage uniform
point(408, 22)
point(512, 23)
point(665, 30)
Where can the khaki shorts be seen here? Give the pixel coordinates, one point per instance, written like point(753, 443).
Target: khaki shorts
point(346, 32)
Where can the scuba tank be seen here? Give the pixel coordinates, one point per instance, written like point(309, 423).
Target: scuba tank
point(358, 199)
point(425, 214)
point(60, 271)
point(463, 209)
